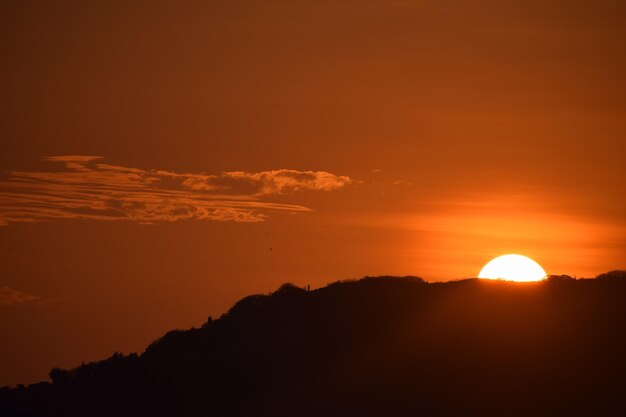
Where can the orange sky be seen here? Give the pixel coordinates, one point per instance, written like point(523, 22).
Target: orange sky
point(160, 160)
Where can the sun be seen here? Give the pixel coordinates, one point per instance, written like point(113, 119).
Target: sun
point(513, 268)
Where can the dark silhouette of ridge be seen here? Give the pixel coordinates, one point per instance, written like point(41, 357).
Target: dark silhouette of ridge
point(380, 346)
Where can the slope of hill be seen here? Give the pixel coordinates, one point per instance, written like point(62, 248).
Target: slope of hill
point(380, 346)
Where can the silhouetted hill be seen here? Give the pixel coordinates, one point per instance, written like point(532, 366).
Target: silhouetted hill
point(381, 346)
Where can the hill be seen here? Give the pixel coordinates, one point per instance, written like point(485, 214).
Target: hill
point(380, 346)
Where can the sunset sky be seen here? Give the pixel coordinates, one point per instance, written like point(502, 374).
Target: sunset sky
point(161, 160)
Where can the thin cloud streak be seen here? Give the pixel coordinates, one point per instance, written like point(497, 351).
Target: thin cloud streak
point(11, 297)
point(87, 189)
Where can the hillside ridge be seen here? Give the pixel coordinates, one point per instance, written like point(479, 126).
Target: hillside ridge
point(394, 345)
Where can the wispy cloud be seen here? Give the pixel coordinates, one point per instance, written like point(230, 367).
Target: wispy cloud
point(90, 189)
point(11, 297)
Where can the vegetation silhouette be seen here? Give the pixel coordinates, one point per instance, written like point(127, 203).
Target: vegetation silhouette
point(380, 346)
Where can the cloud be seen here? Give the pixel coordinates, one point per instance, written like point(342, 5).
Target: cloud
point(90, 189)
point(287, 180)
point(11, 297)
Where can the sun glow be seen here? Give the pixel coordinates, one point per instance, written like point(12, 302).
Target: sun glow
point(513, 268)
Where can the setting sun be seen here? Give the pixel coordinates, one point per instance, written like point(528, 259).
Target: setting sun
point(513, 268)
